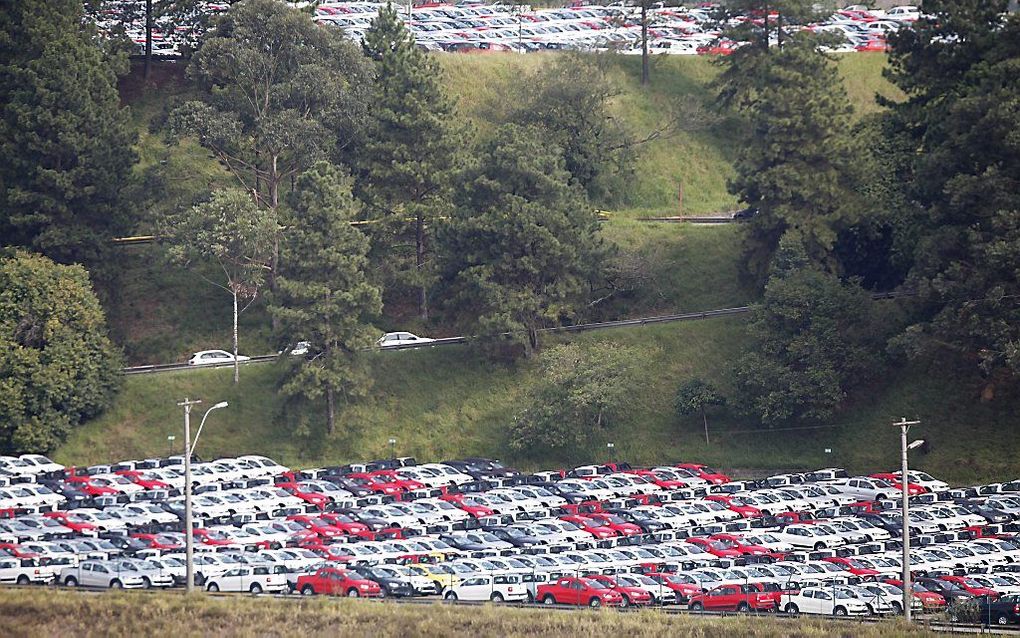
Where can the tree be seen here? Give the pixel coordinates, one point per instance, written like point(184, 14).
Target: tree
point(230, 231)
point(696, 395)
point(323, 293)
point(522, 245)
point(65, 142)
point(411, 149)
point(580, 391)
point(814, 339)
point(279, 94)
point(57, 366)
point(794, 168)
point(959, 71)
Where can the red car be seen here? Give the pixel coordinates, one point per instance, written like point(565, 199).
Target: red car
point(631, 595)
point(970, 586)
point(162, 542)
point(139, 478)
point(873, 45)
point(795, 518)
point(661, 481)
point(682, 585)
point(894, 479)
point(578, 591)
point(723, 47)
point(714, 548)
point(211, 538)
point(734, 598)
point(746, 549)
point(15, 550)
point(929, 599)
point(853, 566)
point(461, 501)
point(615, 523)
point(590, 526)
point(90, 487)
point(705, 472)
point(347, 525)
point(389, 476)
point(67, 520)
point(584, 507)
point(337, 582)
point(733, 503)
point(323, 528)
point(313, 498)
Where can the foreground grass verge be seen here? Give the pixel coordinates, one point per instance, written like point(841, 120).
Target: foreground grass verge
point(47, 613)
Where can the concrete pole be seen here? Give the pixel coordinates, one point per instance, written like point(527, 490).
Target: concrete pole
point(189, 546)
point(904, 426)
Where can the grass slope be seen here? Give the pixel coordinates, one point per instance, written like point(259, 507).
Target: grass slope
point(32, 613)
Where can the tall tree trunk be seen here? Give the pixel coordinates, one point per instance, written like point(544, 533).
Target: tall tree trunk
point(274, 202)
point(644, 43)
point(705, 418)
point(148, 38)
point(237, 365)
point(330, 412)
point(779, 30)
point(766, 27)
point(419, 254)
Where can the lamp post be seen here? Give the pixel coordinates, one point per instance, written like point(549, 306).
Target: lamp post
point(904, 427)
point(189, 448)
point(393, 449)
point(609, 451)
point(170, 444)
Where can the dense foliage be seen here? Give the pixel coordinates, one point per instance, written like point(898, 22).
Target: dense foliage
point(522, 245)
point(323, 293)
point(57, 367)
point(65, 143)
point(580, 391)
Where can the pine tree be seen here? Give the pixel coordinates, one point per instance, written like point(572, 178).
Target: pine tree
point(794, 167)
point(522, 245)
point(65, 142)
point(411, 148)
point(323, 294)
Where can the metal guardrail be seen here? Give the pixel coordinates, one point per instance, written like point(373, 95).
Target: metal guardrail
point(451, 341)
point(693, 219)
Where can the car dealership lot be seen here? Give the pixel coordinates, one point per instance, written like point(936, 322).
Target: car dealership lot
point(680, 535)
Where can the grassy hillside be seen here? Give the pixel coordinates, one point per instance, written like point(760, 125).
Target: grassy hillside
point(34, 612)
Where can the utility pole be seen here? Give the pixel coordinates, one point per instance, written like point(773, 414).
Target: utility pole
point(189, 548)
point(904, 426)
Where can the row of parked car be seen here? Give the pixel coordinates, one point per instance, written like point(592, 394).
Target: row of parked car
point(472, 529)
point(474, 25)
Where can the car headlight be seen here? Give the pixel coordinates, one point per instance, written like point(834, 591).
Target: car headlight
point(362, 586)
point(393, 585)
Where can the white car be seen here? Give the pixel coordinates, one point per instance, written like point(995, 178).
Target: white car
point(497, 588)
point(251, 578)
point(393, 339)
point(809, 537)
point(867, 488)
point(100, 573)
point(830, 601)
point(212, 357)
point(22, 572)
point(38, 463)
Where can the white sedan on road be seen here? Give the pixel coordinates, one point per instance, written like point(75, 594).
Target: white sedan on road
point(210, 357)
point(394, 339)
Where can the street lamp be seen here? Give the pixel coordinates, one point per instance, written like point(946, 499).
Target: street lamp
point(609, 450)
point(393, 451)
point(170, 444)
point(904, 426)
point(189, 449)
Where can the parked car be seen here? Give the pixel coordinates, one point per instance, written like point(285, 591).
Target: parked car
point(337, 582)
point(210, 357)
point(495, 587)
point(829, 601)
point(578, 591)
point(249, 578)
point(733, 598)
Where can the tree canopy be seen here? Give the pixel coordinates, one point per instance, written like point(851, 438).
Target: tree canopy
point(57, 366)
point(65, 141)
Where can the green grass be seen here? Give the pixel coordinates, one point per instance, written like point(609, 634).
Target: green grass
point(37, 612)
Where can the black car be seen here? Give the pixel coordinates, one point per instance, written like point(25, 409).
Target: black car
point(990, 514)
point(462, 543)
point(390, 586)
point(1005, 610)
point(647, 525)
point(514, 536)
point(950, 591)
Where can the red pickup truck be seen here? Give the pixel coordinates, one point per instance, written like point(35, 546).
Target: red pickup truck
point(337, 582)
point(733, 598)
point(578, 591)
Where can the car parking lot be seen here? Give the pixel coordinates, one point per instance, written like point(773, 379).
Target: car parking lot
point(821, 542)
point(480, 27)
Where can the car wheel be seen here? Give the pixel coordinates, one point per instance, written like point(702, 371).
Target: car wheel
point(200, 579)
point(819, 546)
point(531, 597)
point(353, 592)
point(697, 607)
point(307, 590)
point(116, 584)
point(839, 611)
point(146, 583)
point(1002, 620)
point(595, 602)
point(23, 580)
point(743, 608)
point(71, 581)
point(626, 602)
point(549, 600)
point(255, 588)
point(213, 587)
point(792, 608)
point(897, 608)
point(871, 610)
point(451, 595)
point(496, 597)
point(880, 497)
